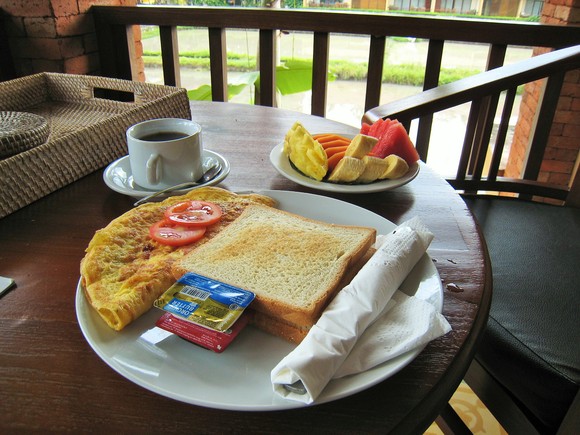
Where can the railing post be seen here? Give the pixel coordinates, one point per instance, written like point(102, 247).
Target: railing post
point(170, 55)
point(267, 55)
point(319, 73)
point(218, 64)
point(543, 124)
point(502, 133)
point(432, 72)
point(375, 71)
point(114, 50)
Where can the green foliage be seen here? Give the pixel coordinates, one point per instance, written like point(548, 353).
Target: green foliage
point(295, 75)
point(448, 75)
point(203, 93)
point(404, 74)
point(347, 70)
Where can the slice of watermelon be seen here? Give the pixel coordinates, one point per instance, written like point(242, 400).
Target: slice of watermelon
point(384, 128)
point(395, 140)
point(365, 128)
point(375, 128)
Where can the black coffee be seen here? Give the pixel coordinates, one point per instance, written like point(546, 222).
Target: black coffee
point(163, 136)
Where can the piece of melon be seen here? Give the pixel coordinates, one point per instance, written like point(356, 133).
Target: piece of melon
point(365, 128)
point(395, 140)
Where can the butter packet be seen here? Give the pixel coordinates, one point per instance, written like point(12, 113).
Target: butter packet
point(204, 301)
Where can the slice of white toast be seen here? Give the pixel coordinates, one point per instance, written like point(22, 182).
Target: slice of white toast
point(291, 263)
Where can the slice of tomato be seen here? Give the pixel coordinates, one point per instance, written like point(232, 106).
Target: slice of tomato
point(194, 213)
point(168, 233)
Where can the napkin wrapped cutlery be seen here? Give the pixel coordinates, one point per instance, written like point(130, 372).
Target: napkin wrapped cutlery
point(338, 344)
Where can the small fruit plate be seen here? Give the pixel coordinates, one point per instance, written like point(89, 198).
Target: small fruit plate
point(286, 169)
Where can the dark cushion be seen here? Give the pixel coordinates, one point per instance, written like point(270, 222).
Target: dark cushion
point(531, 344)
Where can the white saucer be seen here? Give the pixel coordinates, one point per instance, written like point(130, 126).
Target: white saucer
point(118, 176)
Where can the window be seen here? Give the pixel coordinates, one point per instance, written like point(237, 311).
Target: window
point(532, 8)
point(455, 6)
point(408, 5)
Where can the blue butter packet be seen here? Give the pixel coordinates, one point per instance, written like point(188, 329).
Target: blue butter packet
point(205, 301)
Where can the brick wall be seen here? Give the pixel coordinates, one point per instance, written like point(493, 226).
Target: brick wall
point(56, 35)
point(561, 158)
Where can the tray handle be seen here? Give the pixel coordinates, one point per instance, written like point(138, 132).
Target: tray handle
point(114, 94)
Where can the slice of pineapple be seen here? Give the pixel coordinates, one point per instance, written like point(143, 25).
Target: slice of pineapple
point(305, 153)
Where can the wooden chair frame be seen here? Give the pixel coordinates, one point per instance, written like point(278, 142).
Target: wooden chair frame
point(483, 91)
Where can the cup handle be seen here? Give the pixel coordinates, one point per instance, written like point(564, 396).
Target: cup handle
point(154, 169)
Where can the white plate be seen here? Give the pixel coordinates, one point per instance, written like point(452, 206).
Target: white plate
point(239, 378)
point(118, 176)
point(283, 166)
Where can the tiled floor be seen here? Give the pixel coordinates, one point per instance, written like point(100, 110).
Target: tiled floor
point(473, 412)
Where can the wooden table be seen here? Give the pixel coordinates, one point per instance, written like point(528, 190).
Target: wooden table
point(51, 379)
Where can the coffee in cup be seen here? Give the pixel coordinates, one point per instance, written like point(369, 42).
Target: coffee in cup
point(165, 152)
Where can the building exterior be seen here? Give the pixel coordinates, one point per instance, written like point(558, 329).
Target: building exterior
point(505, 8)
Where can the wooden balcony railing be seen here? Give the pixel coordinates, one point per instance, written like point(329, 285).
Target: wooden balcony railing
point(483, 92)
point(116, 44)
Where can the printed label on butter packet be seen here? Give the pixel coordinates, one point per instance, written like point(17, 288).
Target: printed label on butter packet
point(207, 302)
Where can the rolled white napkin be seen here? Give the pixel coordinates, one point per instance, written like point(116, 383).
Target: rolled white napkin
point(409, 323)
point(323, 353)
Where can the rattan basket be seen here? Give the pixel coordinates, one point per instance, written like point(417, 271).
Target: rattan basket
point(87, 132)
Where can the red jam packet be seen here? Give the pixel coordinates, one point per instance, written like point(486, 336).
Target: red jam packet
point(205, 337)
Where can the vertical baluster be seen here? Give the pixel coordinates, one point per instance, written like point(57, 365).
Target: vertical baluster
point(375, 71)
point(502, 133)
point(267, 55)
point(543, 124)
point(170, 55)
point(432, 72)
point(466, 151)
point(495, 58)
point(319, 73)
point(218, 64)
point(114, 49)
point(482, 140)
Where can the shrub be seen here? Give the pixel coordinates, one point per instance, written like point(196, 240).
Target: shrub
point(402, 74)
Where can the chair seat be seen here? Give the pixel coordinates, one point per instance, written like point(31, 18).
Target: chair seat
point(531, 342)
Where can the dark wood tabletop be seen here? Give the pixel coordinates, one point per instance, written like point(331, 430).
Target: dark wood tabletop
point(51, 379)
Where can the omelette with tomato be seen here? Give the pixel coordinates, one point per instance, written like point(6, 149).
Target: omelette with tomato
point(128, 263)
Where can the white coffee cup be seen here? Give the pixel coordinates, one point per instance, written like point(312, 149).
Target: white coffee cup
point(165, 152)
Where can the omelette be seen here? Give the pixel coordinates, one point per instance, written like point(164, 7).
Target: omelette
point(124, 270)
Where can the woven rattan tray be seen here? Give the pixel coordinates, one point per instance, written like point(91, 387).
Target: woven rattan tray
point(87, 130)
